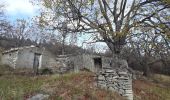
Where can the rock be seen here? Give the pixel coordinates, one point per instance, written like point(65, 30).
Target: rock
point(39, 97)
point(109, 79)
point(100, 77)
point(123, 73)
point(111, 89)
point(110, 71)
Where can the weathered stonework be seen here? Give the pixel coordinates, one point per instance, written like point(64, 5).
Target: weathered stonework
point(24, 57)
point(64, 64)
point(116, 80)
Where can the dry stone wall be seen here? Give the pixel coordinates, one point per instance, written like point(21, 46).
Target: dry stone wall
point(115, 79)
point(119, 80)
point(63, 64)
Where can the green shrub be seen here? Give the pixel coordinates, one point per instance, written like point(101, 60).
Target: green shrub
point(85, 69)
point(45, 71)
point(5, 69)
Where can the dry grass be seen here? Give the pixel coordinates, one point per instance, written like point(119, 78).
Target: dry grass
point(162, 79)
point(5, 69)
point(15, 87)
point(156, 88)
point(76, 86)
point(72, 86)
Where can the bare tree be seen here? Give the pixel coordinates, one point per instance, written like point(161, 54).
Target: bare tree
point(20, 31)
point(64, 34)
point(5, 26)
point(112, 20)
point(146, 49)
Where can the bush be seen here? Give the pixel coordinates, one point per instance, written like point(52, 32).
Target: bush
point(5, 69)
point(46, 71)
point(85, 69)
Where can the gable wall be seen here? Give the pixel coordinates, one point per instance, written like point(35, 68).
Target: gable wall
point(10, 58)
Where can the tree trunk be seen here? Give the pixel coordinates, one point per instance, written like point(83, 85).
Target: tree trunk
point(115, 49)
point(146, 71)
point(115, 60)
point(63, 46)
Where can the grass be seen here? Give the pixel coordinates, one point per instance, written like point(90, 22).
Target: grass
point(163, 93)
point(16, 87)
point(5, 69)
point(163, 88)
point(76, 86)
point(72, 86)
point(164, 79)
point(156, 88)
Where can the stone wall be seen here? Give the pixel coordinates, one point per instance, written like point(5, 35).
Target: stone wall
point(23, 58)
point(10, 59)
point(116, 79)
point(77, 61)
point(64, 64)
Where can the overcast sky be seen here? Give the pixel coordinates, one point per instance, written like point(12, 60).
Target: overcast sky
point(19, 9)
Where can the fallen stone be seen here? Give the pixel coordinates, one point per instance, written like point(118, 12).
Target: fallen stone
point(110, 71)
point(100, 77)
point(39, 97)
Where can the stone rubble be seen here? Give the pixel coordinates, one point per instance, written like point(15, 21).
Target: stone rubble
point(39, 97)
point(116, 80)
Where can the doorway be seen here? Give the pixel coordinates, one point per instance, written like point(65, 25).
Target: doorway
point(98, 63)
point(37, 62)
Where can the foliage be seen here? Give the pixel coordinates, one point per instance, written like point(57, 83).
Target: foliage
point(111, 20)
point(5, 69)
point(148, 49)
point(45, 71)
point(166, 1)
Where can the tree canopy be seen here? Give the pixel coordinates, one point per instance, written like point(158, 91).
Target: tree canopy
point(110, 21)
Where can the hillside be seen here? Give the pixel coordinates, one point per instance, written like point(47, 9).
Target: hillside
point(152, 89)
point(76, 86)
point(72, 86)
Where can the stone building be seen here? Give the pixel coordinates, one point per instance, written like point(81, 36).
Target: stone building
point(90, 62)
point(30, 57)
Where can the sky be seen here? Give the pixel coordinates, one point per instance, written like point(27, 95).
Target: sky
point(24, 9)
point(19, 9)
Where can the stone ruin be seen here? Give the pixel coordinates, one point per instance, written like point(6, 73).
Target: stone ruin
point(64, 64)
point(116, 79)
